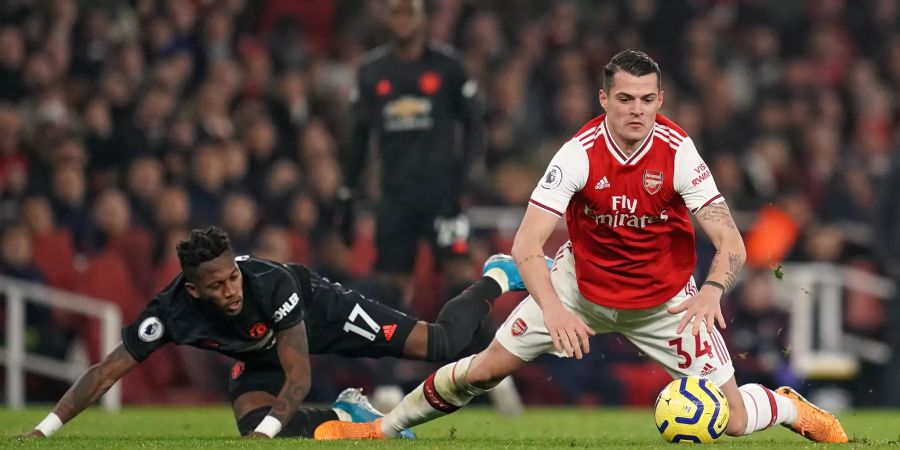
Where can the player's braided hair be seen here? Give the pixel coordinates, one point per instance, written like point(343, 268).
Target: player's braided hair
point(633, 62)
point(202, 246)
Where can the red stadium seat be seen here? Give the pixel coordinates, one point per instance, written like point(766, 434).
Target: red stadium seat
point(54, 256)
point(136, 247)
point(107, 278)
point(165, 272)
point(299, 250)
point(364, 254)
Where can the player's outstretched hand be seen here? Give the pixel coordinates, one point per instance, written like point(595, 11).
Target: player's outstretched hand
point(568, 331)
point(255, 435)
point(703, 307)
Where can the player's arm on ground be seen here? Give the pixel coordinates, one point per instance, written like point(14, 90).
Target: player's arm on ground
point(93, 384)
point(139, 339)
point(293, 352)
point(287, 311)
point(566, 175)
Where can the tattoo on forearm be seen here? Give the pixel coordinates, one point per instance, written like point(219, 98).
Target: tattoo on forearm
point(294, 355)
point(290, 397)
point(715, 263)
point(529, 258)
point(717, 212)
point(735, 263)
point(79, 396)
point(94, 383)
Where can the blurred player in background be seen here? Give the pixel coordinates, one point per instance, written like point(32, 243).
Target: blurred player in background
point(412, 96)
point(271, 317)
point(628, 182)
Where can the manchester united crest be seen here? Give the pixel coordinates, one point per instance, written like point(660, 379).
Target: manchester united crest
point(653, 181)
point(258, 330)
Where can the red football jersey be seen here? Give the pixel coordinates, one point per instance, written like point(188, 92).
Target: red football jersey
point(628, 217)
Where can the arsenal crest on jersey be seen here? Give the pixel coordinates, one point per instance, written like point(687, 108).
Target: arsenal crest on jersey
point(653, 181)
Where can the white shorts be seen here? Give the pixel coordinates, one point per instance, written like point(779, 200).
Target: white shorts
point(652, 330)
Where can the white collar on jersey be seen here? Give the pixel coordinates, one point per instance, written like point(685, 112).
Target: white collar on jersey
point(619, 155)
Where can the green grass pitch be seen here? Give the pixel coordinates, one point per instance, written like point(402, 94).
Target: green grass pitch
point(473, 428)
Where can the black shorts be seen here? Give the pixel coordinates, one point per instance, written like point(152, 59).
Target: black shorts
point(399, 227)
point(344, 322)
point(254, 377)
point(338, 321)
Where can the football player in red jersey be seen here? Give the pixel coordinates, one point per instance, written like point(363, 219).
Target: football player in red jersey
point(628, 182)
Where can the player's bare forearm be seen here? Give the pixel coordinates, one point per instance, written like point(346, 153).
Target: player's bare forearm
point(730, 255)
point(528, 252)
point(537, 278)
point(94, 383)
point(293, 352)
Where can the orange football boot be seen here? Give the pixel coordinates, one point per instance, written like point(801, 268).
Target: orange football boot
point(337, 429)
point(813, 423)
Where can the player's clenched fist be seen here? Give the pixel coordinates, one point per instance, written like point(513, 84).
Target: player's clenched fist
point(704, 307)
point(568, 331)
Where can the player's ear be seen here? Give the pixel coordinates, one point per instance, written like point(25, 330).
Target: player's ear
point(602, 98)
point(662, 97)
point(191, 289)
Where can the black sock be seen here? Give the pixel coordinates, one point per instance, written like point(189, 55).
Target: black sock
point(486, 289)
point(459, 319)
point(303, 424)
point(306, 421)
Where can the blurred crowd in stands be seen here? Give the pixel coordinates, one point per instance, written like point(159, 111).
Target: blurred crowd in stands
point(125, 123)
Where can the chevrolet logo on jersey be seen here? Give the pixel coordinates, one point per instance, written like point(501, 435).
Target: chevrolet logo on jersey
point(408, 113)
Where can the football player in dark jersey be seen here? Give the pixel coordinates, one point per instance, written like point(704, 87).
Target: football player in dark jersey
point(270, 316)
point(413, 97)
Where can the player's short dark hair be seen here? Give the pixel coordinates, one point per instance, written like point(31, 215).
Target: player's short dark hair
point(201, 246)
point(632, 62)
